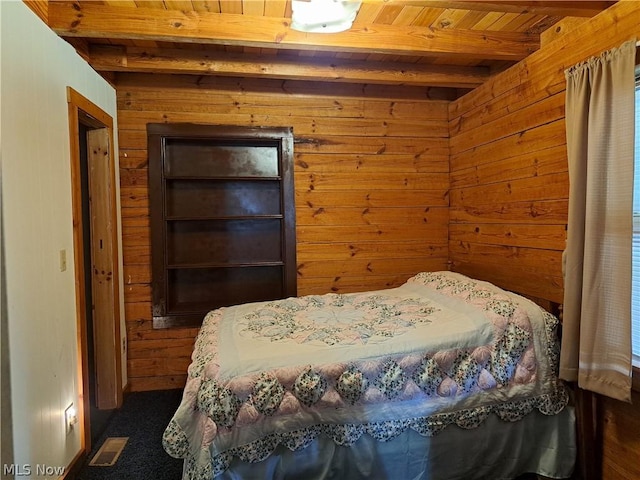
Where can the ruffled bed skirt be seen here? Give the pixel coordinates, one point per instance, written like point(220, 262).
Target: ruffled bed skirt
point(495, 450)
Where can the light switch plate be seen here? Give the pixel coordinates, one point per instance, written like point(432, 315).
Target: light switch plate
point(63, 260)
point(70, 418)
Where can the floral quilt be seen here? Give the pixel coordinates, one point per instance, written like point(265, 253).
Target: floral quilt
point(442, 349)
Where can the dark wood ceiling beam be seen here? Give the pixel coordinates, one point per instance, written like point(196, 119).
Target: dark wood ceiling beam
point(101, 21)
point(197, 62)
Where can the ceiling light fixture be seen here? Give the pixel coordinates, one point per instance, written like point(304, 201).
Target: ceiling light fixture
point(323, 16)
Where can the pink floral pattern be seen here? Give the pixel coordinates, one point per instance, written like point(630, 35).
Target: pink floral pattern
point(337, 319)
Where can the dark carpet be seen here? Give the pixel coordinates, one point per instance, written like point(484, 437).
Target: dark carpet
point(143, 418)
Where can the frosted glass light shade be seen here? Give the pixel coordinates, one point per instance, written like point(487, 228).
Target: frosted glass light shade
point(323, 16)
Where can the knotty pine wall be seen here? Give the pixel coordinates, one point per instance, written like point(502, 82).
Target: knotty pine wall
point(509, 182)
point(509, 187)
point(371, 188)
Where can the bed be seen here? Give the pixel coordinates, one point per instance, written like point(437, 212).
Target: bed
point(444, 377)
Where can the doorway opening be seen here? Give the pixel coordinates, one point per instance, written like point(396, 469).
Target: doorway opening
point(96, 265)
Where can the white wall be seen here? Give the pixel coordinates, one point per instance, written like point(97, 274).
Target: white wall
point(36, 68)
point(6, 454)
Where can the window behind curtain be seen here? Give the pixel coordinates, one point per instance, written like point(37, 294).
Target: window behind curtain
point(635, 291)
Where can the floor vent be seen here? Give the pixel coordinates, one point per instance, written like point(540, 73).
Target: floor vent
point(109, 452)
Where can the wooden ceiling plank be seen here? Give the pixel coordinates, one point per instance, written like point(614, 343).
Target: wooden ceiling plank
point(367, 14)
point(255, 51)
point(388, 14)
point(145, 44)
point(587, 8)
point(427, 17)
point(268, 51)
point(157, 4)
point(184, 5)
point(551, 7)
point(97, 21)
point(234, 48)
point(307, 53)
point(275, 8)
point(231, 6)
point(470, 19)
point(407, 16)
point(253, 7)
point(194, 62)
point(502, 22)
point(489, 19)
point(450, 18)
point(211, 6)
point(522, 23)
point(121, 3)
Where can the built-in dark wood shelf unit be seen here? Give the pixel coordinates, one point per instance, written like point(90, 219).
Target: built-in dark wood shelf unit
point(222, 218)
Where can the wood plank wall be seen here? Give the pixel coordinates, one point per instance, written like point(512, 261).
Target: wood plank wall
point(371, 184)
point(510, 187)
point(509, 182)
point(621, 434)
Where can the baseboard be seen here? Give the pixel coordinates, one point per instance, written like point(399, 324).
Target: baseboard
point(73, 469)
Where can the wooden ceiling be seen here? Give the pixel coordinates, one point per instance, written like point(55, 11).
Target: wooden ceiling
point(449, 46)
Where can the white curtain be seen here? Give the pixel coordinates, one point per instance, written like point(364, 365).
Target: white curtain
point(600, 111)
